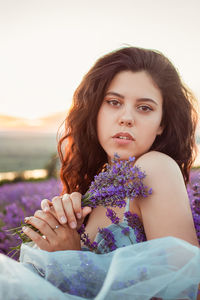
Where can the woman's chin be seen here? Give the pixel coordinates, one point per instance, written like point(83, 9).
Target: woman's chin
point(121, 155)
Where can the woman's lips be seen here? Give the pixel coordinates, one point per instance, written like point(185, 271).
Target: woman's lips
point(123, 138)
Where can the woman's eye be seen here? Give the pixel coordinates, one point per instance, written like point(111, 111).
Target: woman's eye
point(145, 108)
point(113, 102)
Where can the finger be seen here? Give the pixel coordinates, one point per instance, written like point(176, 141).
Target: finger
point(76, 203)
point(45, 205)
point(48, 218)
point(42, 226)
point(51, 210)
point(85, 211)
point(59, 210)
point(69, 211)
point(36, 237)
point(53, 213)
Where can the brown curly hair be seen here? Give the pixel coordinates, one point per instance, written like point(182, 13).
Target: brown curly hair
point(82, 156)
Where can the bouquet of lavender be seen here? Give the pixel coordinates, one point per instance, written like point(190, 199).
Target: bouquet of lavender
point(111, 187)
point(118, 181)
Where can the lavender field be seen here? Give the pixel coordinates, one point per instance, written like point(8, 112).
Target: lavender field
point(18, 200)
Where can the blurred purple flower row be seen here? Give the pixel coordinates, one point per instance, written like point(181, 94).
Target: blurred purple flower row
point(19, 200)
point(193, 189)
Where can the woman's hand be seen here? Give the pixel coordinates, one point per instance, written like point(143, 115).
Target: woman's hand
point(67, 209)
point(56, 237)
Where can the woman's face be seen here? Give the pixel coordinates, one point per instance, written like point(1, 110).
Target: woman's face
point(129, 118)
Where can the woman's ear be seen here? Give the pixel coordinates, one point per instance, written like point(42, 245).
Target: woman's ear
point(160, 130)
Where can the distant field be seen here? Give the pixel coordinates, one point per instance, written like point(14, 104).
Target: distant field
point(19, 152)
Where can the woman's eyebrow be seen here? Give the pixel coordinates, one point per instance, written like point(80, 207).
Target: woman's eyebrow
point(138, 100)
point(114, 94)
point(147, 100)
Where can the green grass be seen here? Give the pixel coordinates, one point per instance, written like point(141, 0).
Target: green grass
point(19, 152)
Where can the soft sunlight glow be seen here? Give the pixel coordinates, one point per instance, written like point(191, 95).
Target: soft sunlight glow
point(197, 161)
point(47, 46)
point(29, 174)
point(8, 176)
point(34, 122)
point(38, 173)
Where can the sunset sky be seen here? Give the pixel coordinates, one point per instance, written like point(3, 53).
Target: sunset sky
point(47, 46)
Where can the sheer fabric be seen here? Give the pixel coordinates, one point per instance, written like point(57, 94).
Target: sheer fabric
point(167, 268)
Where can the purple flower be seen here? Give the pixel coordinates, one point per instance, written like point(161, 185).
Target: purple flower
point(109, 240)
point(126, 231)
point(111, 187)
point(194, 195)
point(118, 181)
point(86, 240)
point(135, 223)
point(112, 216)
point(19, 200)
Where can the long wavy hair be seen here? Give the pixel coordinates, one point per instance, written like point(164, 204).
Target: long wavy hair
point(82, 156)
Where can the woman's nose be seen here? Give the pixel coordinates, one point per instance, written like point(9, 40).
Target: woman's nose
point(128, 123)
point(126, 120)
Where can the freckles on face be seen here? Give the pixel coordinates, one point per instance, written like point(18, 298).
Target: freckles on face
point(129, 118)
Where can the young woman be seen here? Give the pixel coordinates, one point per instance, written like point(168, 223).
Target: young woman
point(132, 102)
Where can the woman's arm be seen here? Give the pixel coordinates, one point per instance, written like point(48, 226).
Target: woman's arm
point(167, 211)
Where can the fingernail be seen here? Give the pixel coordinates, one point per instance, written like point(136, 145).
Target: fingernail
point(46, 208)
point(26, 219)
point(78, 215)
point(63, 220)
point(24, 228)
point(65, 196)
point(73, 225)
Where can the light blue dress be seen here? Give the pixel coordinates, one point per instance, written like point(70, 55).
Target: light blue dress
point(166, 268)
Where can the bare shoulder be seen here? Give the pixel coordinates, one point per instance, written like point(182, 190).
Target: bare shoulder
point(166, 212)
point(160, 166)
point(156, 159)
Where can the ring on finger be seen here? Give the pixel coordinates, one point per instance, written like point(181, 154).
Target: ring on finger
point(56, 227)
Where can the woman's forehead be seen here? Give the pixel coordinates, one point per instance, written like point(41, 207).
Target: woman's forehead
point(139, 84)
